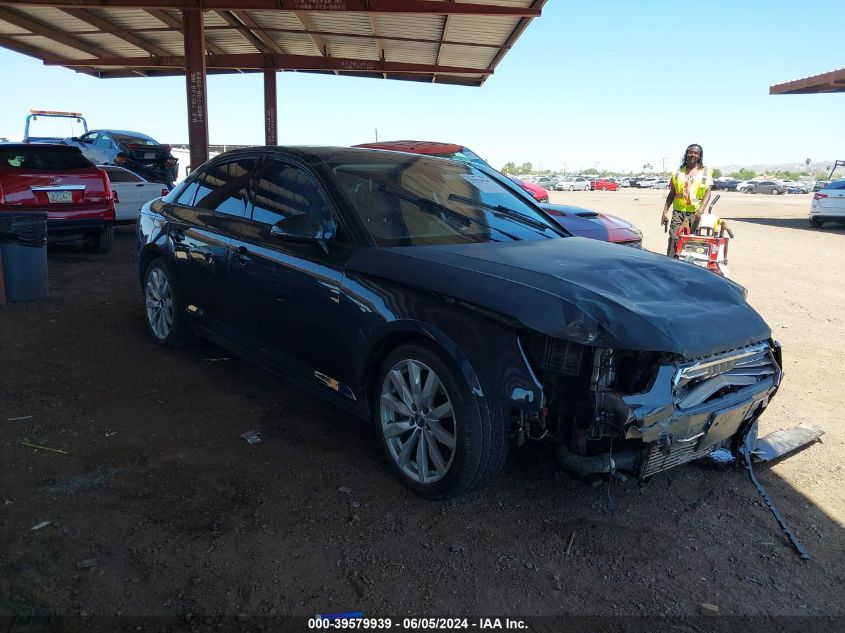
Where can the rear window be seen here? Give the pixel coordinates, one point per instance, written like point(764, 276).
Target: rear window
point(43, 158)
point(135, 139)
point(836, 184)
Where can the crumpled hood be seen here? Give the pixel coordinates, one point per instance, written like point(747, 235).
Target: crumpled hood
point(582, 290)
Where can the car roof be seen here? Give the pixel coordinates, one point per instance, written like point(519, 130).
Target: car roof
point(415, 147)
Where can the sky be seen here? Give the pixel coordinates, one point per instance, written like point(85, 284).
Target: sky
point(613, 86)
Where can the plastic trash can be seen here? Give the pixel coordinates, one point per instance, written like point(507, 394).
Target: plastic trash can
point(23, 247)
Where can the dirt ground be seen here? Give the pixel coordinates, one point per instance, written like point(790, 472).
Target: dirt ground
point(156, 506)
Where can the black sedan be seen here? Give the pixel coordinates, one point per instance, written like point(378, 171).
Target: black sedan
point(144, 156)
point(444, 306)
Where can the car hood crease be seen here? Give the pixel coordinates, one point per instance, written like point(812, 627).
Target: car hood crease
point(601, 294)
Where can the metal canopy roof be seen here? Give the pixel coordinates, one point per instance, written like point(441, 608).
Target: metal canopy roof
point(438, 41)
point(833, 81)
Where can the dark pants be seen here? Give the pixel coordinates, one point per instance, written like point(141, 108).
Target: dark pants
point(677, 220)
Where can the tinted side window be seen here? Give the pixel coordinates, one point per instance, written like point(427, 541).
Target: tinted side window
point(103, 142)
point(186, 196)
point(120, 175)
point(839, 184)
point(283, 190)
point(224, 187)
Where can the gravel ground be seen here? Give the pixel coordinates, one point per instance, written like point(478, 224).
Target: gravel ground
point(156, 506)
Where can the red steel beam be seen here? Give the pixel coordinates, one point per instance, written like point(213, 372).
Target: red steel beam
point(195, 79)
point(271, 134)
point(261, 61)
point(322, 6)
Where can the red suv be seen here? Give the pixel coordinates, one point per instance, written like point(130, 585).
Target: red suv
point(58, 180)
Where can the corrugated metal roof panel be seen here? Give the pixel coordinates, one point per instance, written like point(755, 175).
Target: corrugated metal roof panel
point(352, 49)
point(481, 29)
point(212, 18)
point(56, 18)
point(171, 41)
point(7, 28)
point(277, 19)
point(129, 18)
point(296, 44)
point(52, 48)
point(469, 56)
point(230, 42)
point(341, 23)
point(410, 52)
point(112, 45)
point(427, 27)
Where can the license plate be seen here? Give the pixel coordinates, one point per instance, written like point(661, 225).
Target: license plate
point(60, 196)
point(150, 155)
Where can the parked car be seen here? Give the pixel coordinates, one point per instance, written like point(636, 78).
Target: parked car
point(546, 182)
point(59, 181)
point(573, 183)
point(144, 155)
point(661, 183)
point(646, 183)
point(766, 186)
point(604, 184)
point(433, 299)
point(745, 184)
point(828, 205)
point(725, 185)
point(798, 188)
point(594, 224)
point(455, 152)
point(536, 191)
point(131, 192)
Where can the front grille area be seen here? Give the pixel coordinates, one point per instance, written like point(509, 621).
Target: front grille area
point(660, 459)
point(715, 376)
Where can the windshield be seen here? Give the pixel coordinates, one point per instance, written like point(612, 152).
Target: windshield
point(466, 155)
point(414, 201)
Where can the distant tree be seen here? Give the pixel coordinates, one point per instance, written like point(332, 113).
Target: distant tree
point(717, 173)
point(509, 168)
point(648, 167)
point(591, 170)
point(808, 161)
point(526, 168)
point(744, 174)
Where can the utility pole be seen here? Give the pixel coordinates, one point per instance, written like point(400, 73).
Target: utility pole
point(664, 164)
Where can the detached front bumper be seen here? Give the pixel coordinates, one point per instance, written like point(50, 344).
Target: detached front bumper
point(693, 408)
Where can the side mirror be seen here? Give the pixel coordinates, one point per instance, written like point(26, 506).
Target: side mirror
point(299, 228)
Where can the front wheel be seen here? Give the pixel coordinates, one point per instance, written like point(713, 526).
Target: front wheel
point(440, 438)
point(572, 187)
point(163, 308)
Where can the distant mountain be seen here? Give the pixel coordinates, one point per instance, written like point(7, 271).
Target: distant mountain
point(816, 165)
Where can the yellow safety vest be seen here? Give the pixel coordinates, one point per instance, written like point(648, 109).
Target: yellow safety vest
point(690, 192)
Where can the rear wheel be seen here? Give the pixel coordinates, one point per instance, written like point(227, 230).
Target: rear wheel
point(99, 242)
point(441, 439)
point(816, 224)
point(774, 191)
point(163, 308)
point(572, 187)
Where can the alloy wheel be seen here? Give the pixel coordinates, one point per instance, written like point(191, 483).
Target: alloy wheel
point(159, 303)
point(418, 421)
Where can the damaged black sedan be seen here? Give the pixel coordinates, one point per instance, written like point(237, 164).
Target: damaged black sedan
point(433, 299)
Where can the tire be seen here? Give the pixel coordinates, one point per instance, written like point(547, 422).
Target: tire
point(464, 442)
point(774, 192)
point(162, 307)
point(99, 242)
point(816, 224)
point(572, 187)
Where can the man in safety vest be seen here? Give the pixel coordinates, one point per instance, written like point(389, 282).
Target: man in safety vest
point(689, 194)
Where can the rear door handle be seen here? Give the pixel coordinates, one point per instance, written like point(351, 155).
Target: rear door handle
point(242, 255)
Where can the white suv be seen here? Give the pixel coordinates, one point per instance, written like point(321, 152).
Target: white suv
point(828, 205)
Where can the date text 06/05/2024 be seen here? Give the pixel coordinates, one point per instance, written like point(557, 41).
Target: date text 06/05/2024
point(357, 620)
